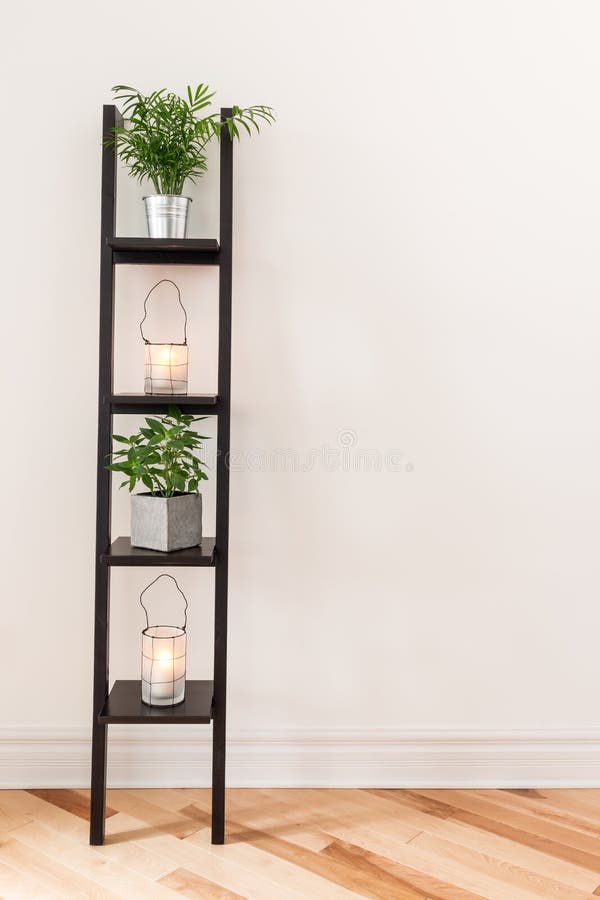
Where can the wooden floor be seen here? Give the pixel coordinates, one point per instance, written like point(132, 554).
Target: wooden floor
point(317, 844)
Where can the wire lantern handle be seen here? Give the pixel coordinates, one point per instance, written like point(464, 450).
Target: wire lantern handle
point(164, 281)
point(158, 577)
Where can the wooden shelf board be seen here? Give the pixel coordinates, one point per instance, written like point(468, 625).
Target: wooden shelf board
point(145, 251)
point(183, 245)
point(121, 553)
point(124, 706)
point(143, 403)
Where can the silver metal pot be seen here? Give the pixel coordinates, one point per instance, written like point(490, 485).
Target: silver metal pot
point(166, 215)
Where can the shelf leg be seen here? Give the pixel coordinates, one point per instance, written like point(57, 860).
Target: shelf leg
point(218, 783)
point(98, 793)
point(219, 703)
point(222, 535)
point(219, 707)
point(110, 119)
point(99, 731)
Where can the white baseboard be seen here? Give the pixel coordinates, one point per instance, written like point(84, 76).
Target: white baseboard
point(179, 756)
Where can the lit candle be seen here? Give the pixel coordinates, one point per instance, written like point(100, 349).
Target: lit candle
point(166, 369)
point(163, 665)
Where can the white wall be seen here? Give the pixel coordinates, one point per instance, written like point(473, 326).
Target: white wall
point(415, 269)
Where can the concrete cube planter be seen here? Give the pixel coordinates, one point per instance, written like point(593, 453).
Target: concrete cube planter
point(160, 523)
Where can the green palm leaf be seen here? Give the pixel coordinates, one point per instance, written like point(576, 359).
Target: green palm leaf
point(163, 138)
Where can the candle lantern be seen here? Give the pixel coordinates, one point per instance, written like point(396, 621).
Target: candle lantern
point(163, 657)
point(166, 365)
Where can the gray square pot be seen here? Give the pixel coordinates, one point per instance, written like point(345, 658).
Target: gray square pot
point(160, 523)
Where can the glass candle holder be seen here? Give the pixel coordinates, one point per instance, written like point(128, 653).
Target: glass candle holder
point(166, 369)
point(163, 665)
point(166, 365)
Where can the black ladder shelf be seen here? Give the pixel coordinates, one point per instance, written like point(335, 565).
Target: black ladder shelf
point(205, 700)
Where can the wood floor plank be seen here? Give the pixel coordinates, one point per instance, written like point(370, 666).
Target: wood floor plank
point(521, 819)
point(590, 794)
point(283, 867)
point(451, 877)
point(132, 855)
point(380, 839)
point(331, 876)
point(514, 877)
point(330, 807)
point(499, 845)
point(378, 866)
point(119, 848)
point(563, 843)
point(576, 800)
point(545, 810)
point(40, 810)
point(451, 880)
point(10, 821)
point(264, 810)
point(150, 865)
point(338, 872)
point(280, 826)
point(171, 799)
point(272, 814)
point(163, 820)
point(87, 862)
point(16, 885)
point(217, 863)
point(305, 844)
point(182, 881)
point(51, 874)
point(69, 800)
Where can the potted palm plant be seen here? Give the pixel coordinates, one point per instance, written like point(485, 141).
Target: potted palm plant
point(163, 140)
point(163, 457)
